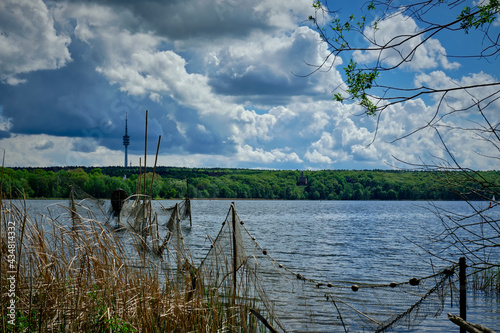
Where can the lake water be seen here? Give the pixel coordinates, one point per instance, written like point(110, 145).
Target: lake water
point(333, 241)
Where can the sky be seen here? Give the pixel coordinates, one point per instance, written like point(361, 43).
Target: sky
point(225, 83)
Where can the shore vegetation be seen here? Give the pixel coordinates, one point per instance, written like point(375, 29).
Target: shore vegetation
point(214, 183)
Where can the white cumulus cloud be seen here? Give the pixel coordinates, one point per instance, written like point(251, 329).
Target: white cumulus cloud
point(392, 35)
point(28, 40)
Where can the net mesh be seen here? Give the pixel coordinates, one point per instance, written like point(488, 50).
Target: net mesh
point(242, 274)
point(134, 214)
point(156, 231)
point(139, 217)
point(290, 302)
point(83, 205)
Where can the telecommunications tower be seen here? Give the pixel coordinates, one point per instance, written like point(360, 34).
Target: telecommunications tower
point(126, 140)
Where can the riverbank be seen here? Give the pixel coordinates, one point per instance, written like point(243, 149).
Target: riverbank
point(344, 243)
point(233, 184)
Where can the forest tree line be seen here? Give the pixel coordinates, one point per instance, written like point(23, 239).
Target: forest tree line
point(172, 183)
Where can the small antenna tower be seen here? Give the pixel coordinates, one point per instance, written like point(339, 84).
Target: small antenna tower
point(126, 140)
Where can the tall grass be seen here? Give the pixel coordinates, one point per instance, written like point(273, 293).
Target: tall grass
point(486, 280)
point(76, 275)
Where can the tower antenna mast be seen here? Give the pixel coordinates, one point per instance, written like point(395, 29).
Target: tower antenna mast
point(126, 139)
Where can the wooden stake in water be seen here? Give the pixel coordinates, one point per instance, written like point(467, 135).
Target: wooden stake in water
point(138, 186)
point(145, 200)
point(145, 150)
point(189, 203)
point(462, 276)
point(154, 167)
point(235, 261)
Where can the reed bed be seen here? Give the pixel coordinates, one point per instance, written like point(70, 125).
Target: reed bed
point(74, 274)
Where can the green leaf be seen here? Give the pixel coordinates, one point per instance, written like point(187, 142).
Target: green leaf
point(358, 82)
point(485, 15)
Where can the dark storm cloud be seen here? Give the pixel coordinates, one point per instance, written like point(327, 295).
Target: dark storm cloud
point(273, 74)
point(264, 87)
point(207, 141)
point(44, 145)
point(76, 101)
point(254, 84)
point(196, 138)
point(62, 102)
point(163, 119)
point(179, 19)
point(85, 145)
point(4, 134)
point(127, 57)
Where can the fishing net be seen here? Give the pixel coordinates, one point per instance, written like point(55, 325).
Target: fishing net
point(239, 272)
point(182, 212)
point(147, 228)
point(134, 214)
point(150, 235)
point(159, 228)
point(286, 301)
point(84, 205)
point(175, 252)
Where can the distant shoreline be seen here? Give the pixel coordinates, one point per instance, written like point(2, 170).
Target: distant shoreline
point(248, 184)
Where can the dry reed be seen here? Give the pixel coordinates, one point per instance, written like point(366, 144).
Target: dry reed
point(75, 274)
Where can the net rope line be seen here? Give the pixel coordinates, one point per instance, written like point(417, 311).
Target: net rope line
point(83, 205)
point(283, 298)
point(383, 325)
point(425, 296)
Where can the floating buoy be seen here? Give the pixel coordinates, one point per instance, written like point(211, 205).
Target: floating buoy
point(280, 265)
point(354, 287)
point(414, 281)
point(299, 276)
point(329, 285)
point(264, 252)
point(393, 284)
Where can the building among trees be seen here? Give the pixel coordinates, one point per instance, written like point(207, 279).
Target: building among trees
point(302, 180)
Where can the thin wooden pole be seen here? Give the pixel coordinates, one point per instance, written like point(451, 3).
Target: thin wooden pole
point(73, 208)
point(235, 250)
point(138, 189)
point(144, 199)
point(462, 276)
point(235, 259)
point(189, 203)
point(154, 168)
point(145, 149)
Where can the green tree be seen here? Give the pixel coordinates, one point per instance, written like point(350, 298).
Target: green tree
point(40, 183)
point(367, 83)
point(78, 176)
point(341, 36)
